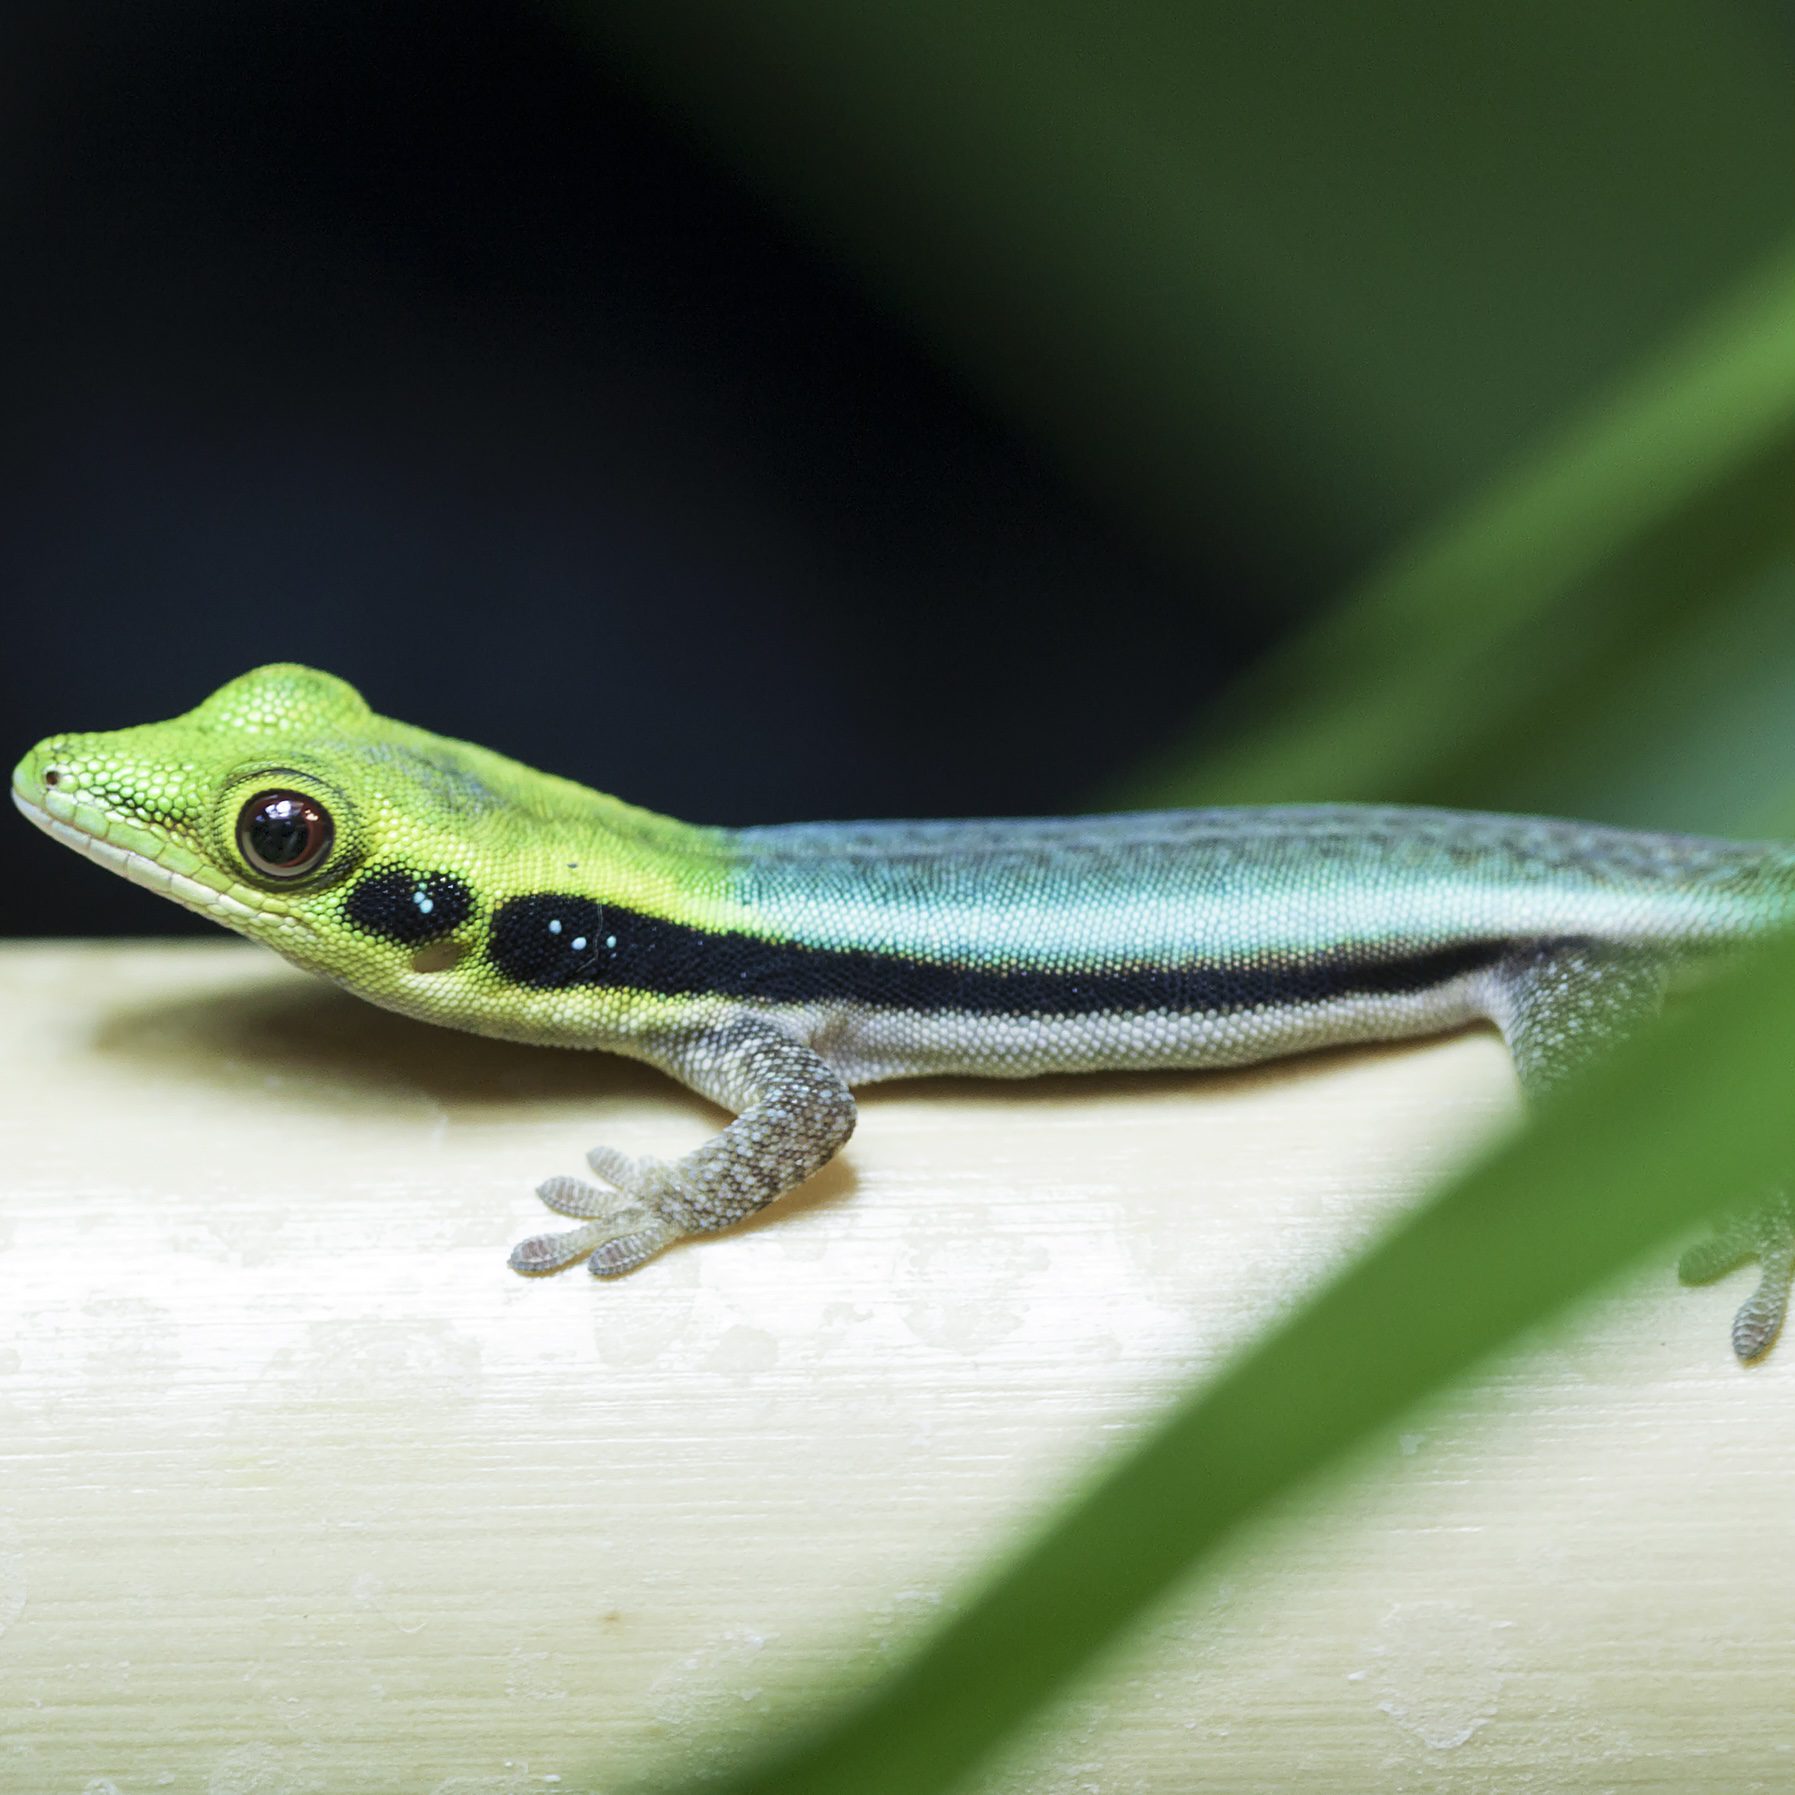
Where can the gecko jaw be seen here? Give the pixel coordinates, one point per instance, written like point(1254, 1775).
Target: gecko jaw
point(140, 869)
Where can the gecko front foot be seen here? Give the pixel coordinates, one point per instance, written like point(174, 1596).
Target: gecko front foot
point(792, 1112)
point(626, 1224)
point(1766, 1234)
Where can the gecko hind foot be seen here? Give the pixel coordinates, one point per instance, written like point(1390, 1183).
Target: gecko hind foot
point(1766, 1234)
point(621, 1231)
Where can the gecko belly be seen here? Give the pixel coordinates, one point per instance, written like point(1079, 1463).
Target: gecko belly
point(869, 1043)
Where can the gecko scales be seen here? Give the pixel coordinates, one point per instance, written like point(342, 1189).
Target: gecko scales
point(772, 969)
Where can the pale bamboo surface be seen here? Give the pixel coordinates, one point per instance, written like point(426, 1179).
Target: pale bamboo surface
point(301, 1490)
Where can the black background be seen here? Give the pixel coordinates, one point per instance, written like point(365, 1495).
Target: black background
point(413, 344)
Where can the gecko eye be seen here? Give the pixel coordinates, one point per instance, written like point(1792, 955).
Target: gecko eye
point(284, 835)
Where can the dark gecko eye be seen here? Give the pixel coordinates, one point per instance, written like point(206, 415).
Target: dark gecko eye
point(284, 835)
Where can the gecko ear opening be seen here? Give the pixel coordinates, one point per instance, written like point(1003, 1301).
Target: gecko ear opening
point(438, 956)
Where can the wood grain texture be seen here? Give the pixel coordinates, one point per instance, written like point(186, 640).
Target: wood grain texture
point(302, 1490)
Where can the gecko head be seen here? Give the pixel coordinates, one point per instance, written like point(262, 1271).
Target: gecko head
point(284, 808)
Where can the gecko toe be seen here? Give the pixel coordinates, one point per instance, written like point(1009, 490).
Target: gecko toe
point(1760, 1318)
point(617, 1234)
point(623, 1252)
point(543, 1253)
point(1766, 1234)
point(1731, 1245)
point(571, 1196)
point(614, 1167)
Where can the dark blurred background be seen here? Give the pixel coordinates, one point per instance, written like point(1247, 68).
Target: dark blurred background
point(412, 343)
point(611, 388)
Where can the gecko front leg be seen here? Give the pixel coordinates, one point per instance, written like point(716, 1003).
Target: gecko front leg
point(793, 1113)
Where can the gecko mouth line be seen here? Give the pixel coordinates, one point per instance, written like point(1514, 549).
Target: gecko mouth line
point(138, 868)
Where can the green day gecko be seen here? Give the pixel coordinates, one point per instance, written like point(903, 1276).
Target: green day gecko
point(773, 969)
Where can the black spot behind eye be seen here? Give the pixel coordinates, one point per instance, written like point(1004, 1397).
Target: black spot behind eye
point(406, 907)
point(284, 835)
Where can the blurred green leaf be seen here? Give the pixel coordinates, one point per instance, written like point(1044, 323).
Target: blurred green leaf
point(1693, 1113)
point(1321, 268)
point(1325, 268)
point(1464, 671)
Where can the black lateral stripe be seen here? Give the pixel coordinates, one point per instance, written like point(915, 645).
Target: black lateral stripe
point(554, 941)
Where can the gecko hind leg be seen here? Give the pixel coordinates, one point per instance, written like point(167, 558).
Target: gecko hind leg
point(1766, 1234)
point(1560, 1004)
